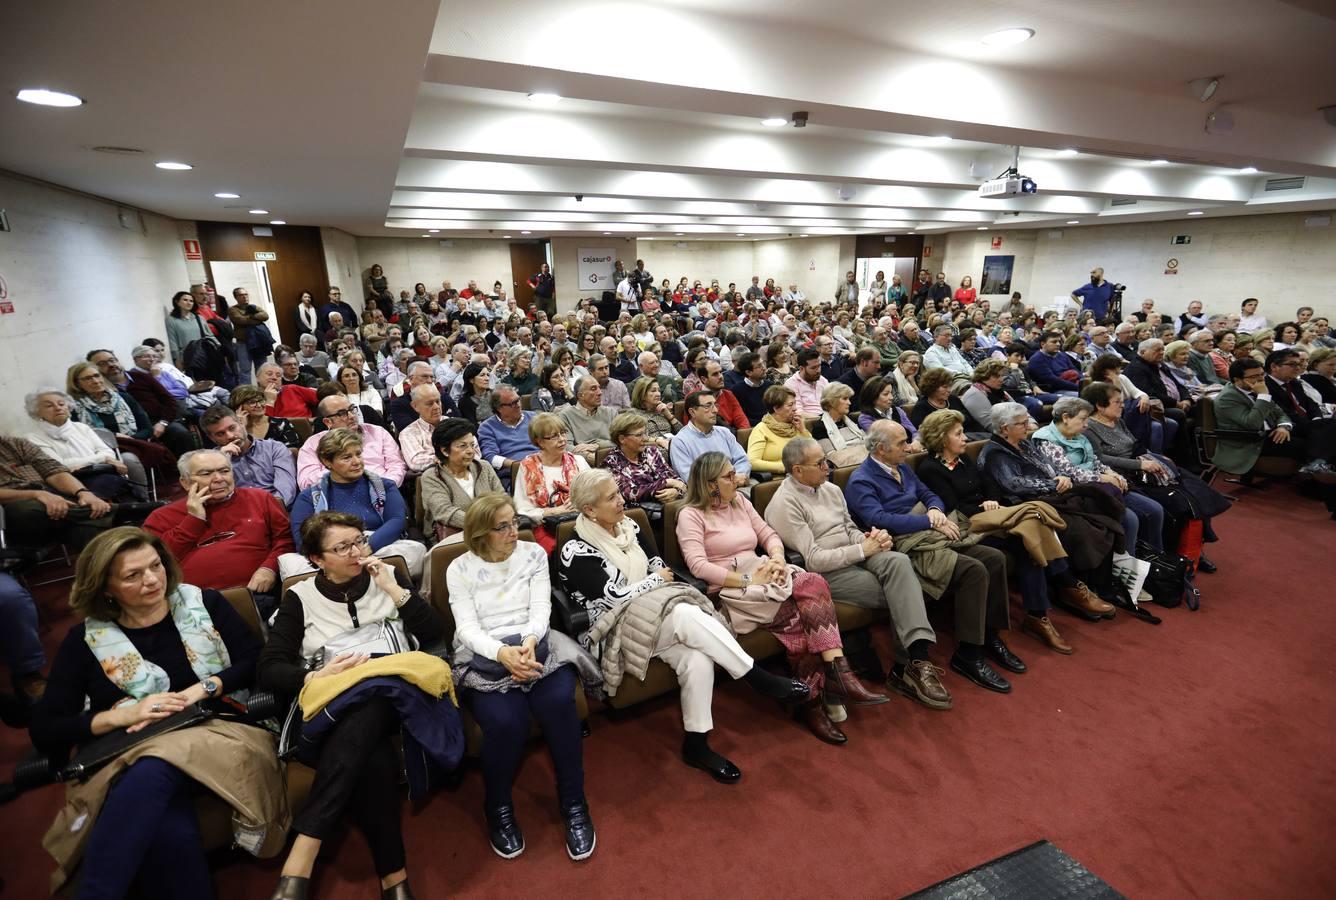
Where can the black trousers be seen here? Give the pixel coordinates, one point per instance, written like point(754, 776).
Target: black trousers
point(357, 773)
point(979, 587)
point(28, 525)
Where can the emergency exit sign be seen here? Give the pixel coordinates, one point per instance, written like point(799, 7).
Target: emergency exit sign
point(266, 256)
point(1182, 239)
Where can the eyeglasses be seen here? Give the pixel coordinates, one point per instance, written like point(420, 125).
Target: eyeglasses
point(340, 414)
point(92, 376)
point(217, 538)
point(515, 402)
point(727, 476)
point(511, 525)
point(347, 548)
point(472, 446)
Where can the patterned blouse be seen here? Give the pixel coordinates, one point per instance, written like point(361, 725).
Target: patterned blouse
point(641, 479)
point(591, 580)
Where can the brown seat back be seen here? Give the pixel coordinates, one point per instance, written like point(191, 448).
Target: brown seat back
point(600, 455)
point(974, 448)
point(244, 604)
point(761, 493)
point(566, 530)
point(840, 476)
point(304, 428)
point(441, 557)
point(743, 435)
point(397, 561)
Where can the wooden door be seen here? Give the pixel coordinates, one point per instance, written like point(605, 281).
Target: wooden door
point(526, 260)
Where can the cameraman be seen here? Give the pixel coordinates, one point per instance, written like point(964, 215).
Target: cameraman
point(1096, 295)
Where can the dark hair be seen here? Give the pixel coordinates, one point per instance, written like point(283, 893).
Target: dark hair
point(871, 390)
point(176, 310)
point(1100, 393)
point(447, 431)
point(694, 398)
point(471, 371)
point(1105, 363)
point(745, 362)
point(215, 414)
point(545, 379)
point(1241, 367)
point(361, 380)
point(1017, 347)
point(806, 355)
point(1048, 335)
point(328, 389)
point(92, 570)
point(314, 528)
point(1279, 357)
point(867, 354)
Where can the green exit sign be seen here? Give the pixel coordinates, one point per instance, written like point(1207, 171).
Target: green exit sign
point(1182, 239)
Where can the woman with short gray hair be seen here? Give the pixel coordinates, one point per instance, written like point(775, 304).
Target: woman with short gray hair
point(77, 447)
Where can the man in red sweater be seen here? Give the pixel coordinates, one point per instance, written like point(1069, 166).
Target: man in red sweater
point(221, 532)
point(730, 410)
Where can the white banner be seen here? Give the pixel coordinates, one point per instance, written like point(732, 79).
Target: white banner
point(596, 270)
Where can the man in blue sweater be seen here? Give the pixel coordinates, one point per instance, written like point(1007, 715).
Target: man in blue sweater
point(504, 438)
point(885, 493)
point(748, 383)
point(700, 436)
point(1052, 369)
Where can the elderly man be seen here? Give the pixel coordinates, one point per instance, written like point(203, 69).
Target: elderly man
point(560, 339)
point(1147, 313)
point(808, 383)
point(613, 392)
point(1194, 318)
point(221, 533)
point(887, 349)
point(700, 436)
point(885, 493)
point(448, 373)
point(1199, 358)
point(945, 355)
point(811, 516)
point(256, 462)
point(380, 453)
point(197, 395)
point(293, 373)
point(911, 339)
point(1149, 374)
point(309, 354)
point(587, 419)
point(651, 367)
point(624, 367)
point(415, 440)
point(1124, 343)
point(1101, 341)
point(44, 502)
point(504, 438)
point(160, 405)
point(1050, 368)
point(401, 410)
point(833, 364)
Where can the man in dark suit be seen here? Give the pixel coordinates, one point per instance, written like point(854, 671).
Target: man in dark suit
point(1149, 374)
point(1312, 425)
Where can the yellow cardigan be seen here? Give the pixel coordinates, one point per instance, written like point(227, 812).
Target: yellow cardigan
point(764, 449)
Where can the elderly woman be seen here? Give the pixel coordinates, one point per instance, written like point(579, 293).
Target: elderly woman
point(935, 385)
point(512, 669)
point(475, 402)
point(1064, 442)
point(989, 389)
point(284, 400)
point(877, 401)
point(1177, 359)
point(249, 402)
point(543, 484)
point(1140, 407)
point(647, 399)
point(905, 377)
point(458, 478)
point(1263, 342)
point(780, 425)
point(1321, 374)
point(348, 486)
point(78, 448)
point(1223, 354)
point(957, 481)
point(149, 646)
point(99, 405)
point(638, 464)
point(352, 381)
point(719, 531)
point(1022, 471)
point(838, 432)
point(1180, 494)
point(519, 365)
point(356, 763)
point(607, 568)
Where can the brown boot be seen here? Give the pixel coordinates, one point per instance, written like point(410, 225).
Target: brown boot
point(1085, 600)
point(813, 714)
point(842, 683)
point(1043, 629)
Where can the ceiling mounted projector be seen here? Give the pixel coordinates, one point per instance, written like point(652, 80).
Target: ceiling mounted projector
point(1010, 183)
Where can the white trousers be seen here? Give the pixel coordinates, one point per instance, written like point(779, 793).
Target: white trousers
point(692, 641)
point(414, 553)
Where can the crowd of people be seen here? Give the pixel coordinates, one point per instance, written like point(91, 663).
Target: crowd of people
point(885, 447)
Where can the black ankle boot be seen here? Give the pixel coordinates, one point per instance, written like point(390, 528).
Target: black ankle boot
point(291, 887)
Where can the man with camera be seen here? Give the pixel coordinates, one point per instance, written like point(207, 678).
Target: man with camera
point(1096, 295)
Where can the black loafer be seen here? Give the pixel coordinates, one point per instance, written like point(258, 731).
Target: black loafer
point(719, 768)
point(1001, 654)
point(1205, 565)
point(982, 674)
point(580, 837)
point(799, 692)
point(504, 832)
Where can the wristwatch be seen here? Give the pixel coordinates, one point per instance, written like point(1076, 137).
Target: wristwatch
point(746, 579)
point(403, 598)
point(211, 688)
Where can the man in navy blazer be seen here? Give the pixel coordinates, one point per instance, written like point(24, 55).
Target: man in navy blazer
point(883, 493)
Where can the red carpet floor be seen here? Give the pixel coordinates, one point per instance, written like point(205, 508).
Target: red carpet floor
point(1193, 759)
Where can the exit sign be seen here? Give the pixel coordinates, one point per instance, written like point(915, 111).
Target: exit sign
point(1182, 239)
point(266, 256)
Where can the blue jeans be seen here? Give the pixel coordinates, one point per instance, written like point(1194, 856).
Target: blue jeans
point(1149, 515)
point(20, 646)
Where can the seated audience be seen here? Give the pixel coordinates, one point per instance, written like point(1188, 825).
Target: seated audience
point(99, 405)
point(284, 400)
point(504, 438)
point(348, 484)
point(701, 435)
point(877, 401)
point(781, 424)
point(552, 390)
point(748, 383)
point(867, 363)
point(353, 383)
point(988, 389)
point(511, 669)
point(542, 487)
point(638, 464)
point(1312, 423)
point(612, 391)
point(357, 764)
point(1321, 374)
point(729, 412)
point(935, 388)
point(884, 493)
point(457, 477)
point(379, 451)
point(647, 400)
point(519, 370)
point(21, 652)
point(806, 383)
point(637, 611)
point(150, 644)
point(401, 410)
point(587, 419)
point(1201, 359)
point(78, 448)
point(416, 440)
point(256, 463)
point(249, 403)
point(43, 502)
point(905, 378)
point(475, 401)
point(837, 431)
point(943, 354)
point(197, 395)
point(1052, 369)
point(1149, 374)
point(651, 367)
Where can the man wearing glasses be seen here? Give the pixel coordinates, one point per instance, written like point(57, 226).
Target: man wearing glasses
point(504, 437)
point(220, 532)
point(380, 452)
point(415, 440)
point(1313, 426)
point(700, 436)
point(337, 304)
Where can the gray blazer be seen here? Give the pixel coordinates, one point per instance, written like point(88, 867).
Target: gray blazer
point(444, 501)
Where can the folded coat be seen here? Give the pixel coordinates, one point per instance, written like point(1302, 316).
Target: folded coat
point(1033, 521)
point(631, 630)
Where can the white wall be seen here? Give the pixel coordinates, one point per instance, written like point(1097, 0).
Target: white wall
point(343, 266)
point(814, 264)
point(407, 261)
point(1275, 258)
point(78, 280)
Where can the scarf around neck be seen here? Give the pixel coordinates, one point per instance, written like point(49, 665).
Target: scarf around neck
point(114, 406)
point(535, 484)
point(1078, 450)
point(621, 549)
point(782, 429)
point(835, 435)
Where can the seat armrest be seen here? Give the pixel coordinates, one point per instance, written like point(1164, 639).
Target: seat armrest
point(795, 558)
point(682, 574)
point(567, 616)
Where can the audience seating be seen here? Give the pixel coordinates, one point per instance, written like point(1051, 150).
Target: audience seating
point(1206, 435)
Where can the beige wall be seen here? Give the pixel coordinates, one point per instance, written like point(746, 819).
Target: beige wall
point(407, 261)
point(343, 266)
point(79, 279)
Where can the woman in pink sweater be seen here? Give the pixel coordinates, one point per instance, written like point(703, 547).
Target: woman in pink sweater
point(719, 531)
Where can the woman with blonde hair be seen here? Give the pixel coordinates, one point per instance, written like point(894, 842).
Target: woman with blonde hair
point(838, 432)
point(512, 669)
point(905, 377)
point(719, 532)
point(543, 483)
point(783, 423)
point(647, 399)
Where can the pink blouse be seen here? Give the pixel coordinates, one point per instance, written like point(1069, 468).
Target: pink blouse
point(724, 540)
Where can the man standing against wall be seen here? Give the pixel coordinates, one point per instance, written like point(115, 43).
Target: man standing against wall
point(1096, 295)
point(545, 291)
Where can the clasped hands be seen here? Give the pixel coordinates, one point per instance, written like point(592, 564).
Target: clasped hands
point(521, 662)
point(941, 523)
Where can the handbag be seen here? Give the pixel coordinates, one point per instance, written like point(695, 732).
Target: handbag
point(1169, 582)
point(382, 638)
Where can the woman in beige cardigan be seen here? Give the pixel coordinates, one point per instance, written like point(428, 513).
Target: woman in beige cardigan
point(458, 477)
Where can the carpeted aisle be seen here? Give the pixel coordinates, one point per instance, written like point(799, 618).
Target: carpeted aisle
point(1191, 759)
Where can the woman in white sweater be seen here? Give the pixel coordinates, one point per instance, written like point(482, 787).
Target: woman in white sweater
point(77, 447)
point(510, 668)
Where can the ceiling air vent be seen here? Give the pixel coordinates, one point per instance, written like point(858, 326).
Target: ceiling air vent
point(119, 151)
point(1284, 184)
point(1122, 201)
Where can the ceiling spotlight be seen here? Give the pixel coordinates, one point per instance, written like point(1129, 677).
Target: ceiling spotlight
point(740, 234)
point(434, 230)
point(284, 222)
point(1196, 212)
point(1159, 162)
point(607, 232)
point(226, 195)
point(524, 232)
point(775, 122)
point(1073, 221)
point(1248, 170)
point(45, 97)
point(506, 236)
point(259, 212)
point(982, 228)
point(680, 233)
point(1005, 37)
point(174, 166)
point(802, 235)
point(1203, 88)
point(545, 99)
point(1070, 151)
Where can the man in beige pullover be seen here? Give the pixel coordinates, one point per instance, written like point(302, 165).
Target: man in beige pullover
point(811, 517)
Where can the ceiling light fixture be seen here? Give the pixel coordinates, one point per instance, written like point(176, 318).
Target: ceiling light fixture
point(434, 230)
point(1196, 212)
point(1248, 170)
point(47, 97)
point(227, 195)
point(542, 99)
point(278, 222)
point(740, 234)
point(1203, 88)
point(174, 166)
point(1159, 162)
point(505, 237)
point(525, 232)
point(982, 228)
point(802, 235)
point(775, 122)
point(1069, 151)
point(607, 232)
point(1005, 37)
point(259, 212)
point(1073, 221)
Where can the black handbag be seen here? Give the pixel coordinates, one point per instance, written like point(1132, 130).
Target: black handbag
point(1170, 582)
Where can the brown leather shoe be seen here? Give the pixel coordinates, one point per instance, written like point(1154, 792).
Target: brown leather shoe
point(844, 685)
point(1084, 599)
point(921, 682)
point(1042, 629)
point(813, 714)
